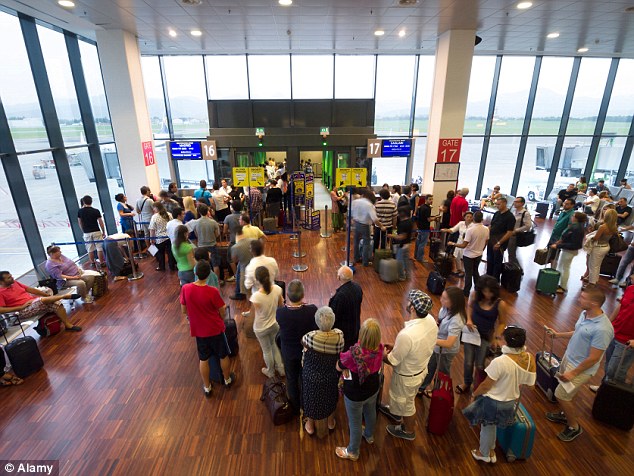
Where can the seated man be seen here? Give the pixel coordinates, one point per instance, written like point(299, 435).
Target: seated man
point(68, 274)
point(623, 211)
point(562, 196)
point(592, 203)
point(31, 302)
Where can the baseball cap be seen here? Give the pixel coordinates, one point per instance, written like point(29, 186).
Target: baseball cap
point(421, 301)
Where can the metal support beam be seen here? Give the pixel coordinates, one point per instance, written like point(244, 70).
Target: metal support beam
point(51, 123)
point(563, 125)
point(526, 127)
point(489, 125)
point(88, 121)
point(627, 154)
point(598, 127)
point(412, 113)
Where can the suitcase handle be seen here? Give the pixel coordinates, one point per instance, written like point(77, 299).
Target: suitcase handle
point(552, 341)
point(17, 316)
point(625, 351)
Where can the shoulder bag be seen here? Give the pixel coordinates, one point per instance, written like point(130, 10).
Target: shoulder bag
point(526, 238)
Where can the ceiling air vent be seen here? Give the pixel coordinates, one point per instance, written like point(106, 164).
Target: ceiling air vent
point(191, 2)
point(407, 3)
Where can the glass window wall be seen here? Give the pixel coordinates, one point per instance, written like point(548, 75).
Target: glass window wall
point(424, 87)
point(154, 96)
point(621, 108)
point(470, 154)
point(500, 166)
point(393, 101)
point(187, 94)
point(535, 168)
point(96, 91)
point(482, 70)
point(418, 167)
point(593, 74)
point(15, 254)
point(312, 76)
point(389, 170)
point(227, 77)
point(270, 77)
point(552, 86)
point(354, 76)
point(512, 96)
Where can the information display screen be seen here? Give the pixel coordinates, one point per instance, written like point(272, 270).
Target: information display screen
point(396, 148)
point(180, 150)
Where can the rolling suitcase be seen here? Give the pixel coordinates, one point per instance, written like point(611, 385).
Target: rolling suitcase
point(434, 248)
point(610, 264)
point(517, 440)
point(614, 402)
point(547, 366)
point(511, 277)
point(541, 256)
point(23, 354)
point(547, 281)
point(444, 264)
point(215, 371)
point(270, 225)
point(541, 209)
point(48, 325)
point(435, 283)
point(100, 285)
point(388, 270)
point(381, 253)
point(441, 406)
point(231, 333)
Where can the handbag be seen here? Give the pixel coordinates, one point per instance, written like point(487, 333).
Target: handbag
point(274, 396)
point(49, 283)
point(617, 243)
point(588, 242)
point(526, 238)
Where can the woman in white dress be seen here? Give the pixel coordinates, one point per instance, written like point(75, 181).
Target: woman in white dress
point(461, 229)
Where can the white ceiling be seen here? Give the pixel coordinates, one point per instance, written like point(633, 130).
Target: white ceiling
point(347, 26)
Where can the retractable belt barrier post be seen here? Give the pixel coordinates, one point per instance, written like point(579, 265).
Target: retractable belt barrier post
point(138, 228)
point(326, 234)
point(294, 230)
point(299, 267)
point(136, 274)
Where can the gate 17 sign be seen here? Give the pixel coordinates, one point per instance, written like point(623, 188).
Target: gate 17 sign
point(449, 150)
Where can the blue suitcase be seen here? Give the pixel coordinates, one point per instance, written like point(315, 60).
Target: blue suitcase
point(547, 366)
point(517, 440)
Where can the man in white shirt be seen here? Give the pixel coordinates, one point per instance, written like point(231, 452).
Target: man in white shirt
point(592, 202)
point(259, 259)
point(474, 242)
point(224, 187)
point(175, 222)
point(409, 357)
point(364, 215)
point(523, 222)
point(220, 203)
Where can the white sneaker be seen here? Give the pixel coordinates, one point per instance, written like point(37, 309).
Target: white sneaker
point(613, 281)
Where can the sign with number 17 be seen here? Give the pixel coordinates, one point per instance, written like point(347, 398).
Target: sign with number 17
point(449, 150)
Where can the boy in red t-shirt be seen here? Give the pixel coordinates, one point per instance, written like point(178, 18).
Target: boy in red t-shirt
point(204, 308)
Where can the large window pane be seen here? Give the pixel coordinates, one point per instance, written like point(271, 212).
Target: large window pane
point(154, 95)
point(480, 84)
point(113, 173)
point(193, 171)
point(394, 84)
point(187, 95)
point(389, 170)
point(500, 166)
point(513, 88)
point(426, 68)
point(17, 89)
point(608, 159)
point(535, 168)
point(312, 77)
point(593, 74)
point(470, 154)
point(96, 92)
point(14, 255)
point(162, 160)
point(83, 174)
point(227, 77)
point(552, 87)
point(47, 201)
point(418, 167)
point(629, 173)
point(62, 85)
point(621, 107)
point(270, 77)
point(574, 156)
point(354, 77)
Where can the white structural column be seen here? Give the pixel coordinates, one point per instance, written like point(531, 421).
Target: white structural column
point(454, 54)
point(121, 67)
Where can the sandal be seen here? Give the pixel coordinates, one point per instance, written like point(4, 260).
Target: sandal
point(463, 389)
point(427, 393)
point(10, 381)
point(342, 452)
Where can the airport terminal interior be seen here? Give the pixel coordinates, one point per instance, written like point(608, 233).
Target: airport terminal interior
point(101, 98)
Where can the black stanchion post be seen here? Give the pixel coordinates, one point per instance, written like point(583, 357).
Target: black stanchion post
point(299, 267)
point(294, 234)
point(136, 274)
point(326, 233)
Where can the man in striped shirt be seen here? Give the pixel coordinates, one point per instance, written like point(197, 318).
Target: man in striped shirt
point(386, 213)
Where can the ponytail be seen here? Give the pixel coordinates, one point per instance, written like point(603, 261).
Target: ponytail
point(264, 278)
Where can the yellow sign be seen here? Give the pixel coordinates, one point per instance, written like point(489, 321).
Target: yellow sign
point(299, 187)
point(256, 177)
point(310, 190)
point(351, 177)
point(240, 176)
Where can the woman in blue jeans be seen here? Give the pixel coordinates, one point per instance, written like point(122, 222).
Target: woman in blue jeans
point(496, 399)
point(361, 365)
point(486, 314)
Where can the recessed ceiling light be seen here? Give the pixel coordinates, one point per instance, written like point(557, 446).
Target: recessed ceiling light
point(554, 34)
point(524, 5)
point(582, 50)
point(401, 33)
point(285, 3)
point(379, 33)
point(66, 3)
point(196, 33)
point(172, 33)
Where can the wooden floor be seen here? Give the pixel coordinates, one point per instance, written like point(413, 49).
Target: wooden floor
point(124, 396)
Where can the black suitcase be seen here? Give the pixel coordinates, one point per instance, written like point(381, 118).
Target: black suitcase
point(215, 371)
point(610, 264)
point(282, 285)
point(231, 333)
point(511, 277)
point(547, 366)
point(614, 402)
point(444, 264)
point(435, 283)
point(541, 209)
point(434, 247)
point(23, 354)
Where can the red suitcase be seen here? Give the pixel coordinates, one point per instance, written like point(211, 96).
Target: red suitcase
point(441, 407)
point(48, 325)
